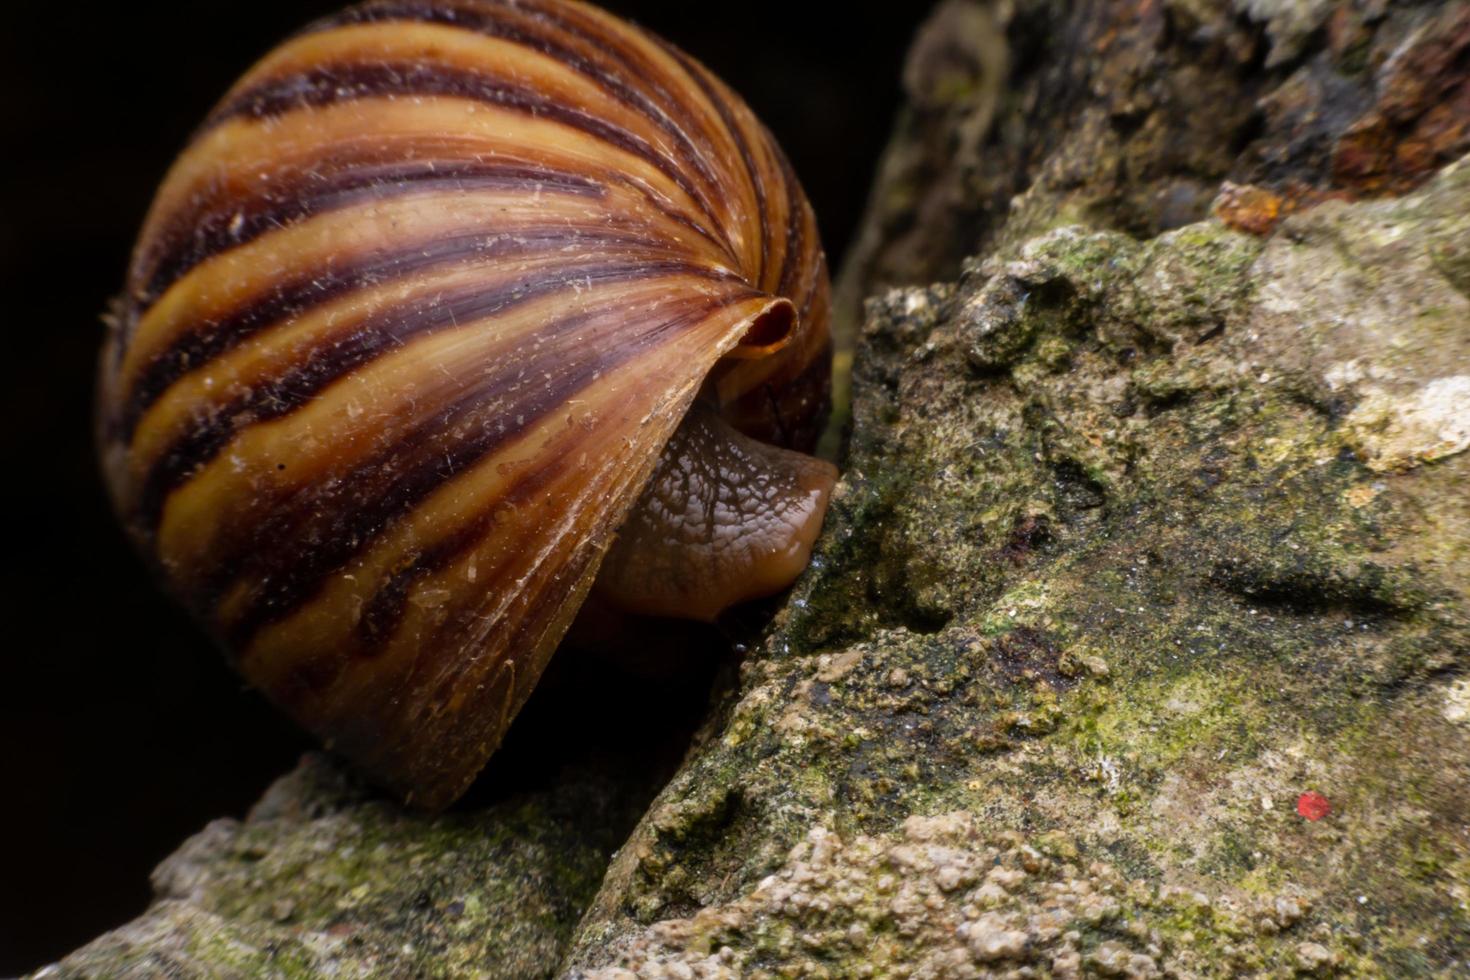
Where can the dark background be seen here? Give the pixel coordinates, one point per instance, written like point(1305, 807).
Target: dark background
point(121, 732)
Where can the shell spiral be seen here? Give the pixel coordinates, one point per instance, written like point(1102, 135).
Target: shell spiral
point(406, 329)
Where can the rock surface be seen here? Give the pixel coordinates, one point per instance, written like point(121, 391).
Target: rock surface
point(1148, 578)
point(326, 879)
point(1137, 643)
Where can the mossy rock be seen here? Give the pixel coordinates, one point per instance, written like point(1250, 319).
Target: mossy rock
point(1173, 568)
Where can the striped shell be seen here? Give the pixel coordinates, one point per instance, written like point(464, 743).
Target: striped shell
point(405, 332)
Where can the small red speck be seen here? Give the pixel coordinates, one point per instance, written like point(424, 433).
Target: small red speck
point(1313, 806)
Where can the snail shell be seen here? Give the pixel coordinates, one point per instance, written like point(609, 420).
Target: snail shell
point(409, 333)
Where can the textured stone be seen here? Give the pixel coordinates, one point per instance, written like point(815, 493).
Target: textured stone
point(324, 879)
point(1166, 470)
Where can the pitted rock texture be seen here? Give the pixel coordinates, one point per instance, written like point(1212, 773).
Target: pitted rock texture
point(941, 899)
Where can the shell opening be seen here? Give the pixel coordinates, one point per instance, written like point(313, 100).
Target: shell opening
point(770, 331)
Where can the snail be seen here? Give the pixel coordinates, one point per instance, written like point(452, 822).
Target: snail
point(451, 313)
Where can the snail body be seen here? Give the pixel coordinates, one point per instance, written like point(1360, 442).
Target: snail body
point(409, 333)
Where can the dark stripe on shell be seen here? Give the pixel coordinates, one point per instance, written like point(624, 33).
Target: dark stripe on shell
point(213, 225)
point(308, 288)
point(383, 612)
point(796, 218)
point(752, 171)
point(665, 101)
point(417, 465)
point(496, 25)
point(332, 358)
point(332, 84)
point(527, 35)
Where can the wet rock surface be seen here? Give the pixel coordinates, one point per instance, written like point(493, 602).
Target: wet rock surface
point(1137, 642)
